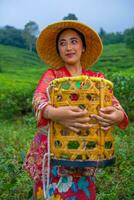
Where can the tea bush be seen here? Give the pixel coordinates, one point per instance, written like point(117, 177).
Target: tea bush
point(15, 99)
point(116, 182)
point(124, 91)
point(15, 139)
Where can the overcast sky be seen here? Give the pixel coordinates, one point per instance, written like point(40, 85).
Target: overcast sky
point(112, 15)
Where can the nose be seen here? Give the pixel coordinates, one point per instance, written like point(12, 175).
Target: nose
point(69, 46)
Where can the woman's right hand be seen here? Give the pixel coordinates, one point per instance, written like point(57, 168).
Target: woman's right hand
point(71, 117)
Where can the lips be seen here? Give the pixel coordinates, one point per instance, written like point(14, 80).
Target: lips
point(70, 55)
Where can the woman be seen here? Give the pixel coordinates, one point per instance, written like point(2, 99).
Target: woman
point(69, 47)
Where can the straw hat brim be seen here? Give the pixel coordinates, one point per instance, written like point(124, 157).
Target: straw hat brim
point(46, 43)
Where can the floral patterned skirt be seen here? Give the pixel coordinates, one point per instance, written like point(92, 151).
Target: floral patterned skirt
point(68, 187)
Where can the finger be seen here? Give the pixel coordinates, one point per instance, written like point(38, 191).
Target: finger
point(74, 129)
point(105, 116)
point(80, 114)
point(78, 109)
point(106, 128)
point(104, 124)
point(83, 120)
point(99, 118)
point(107, 109)
point(75, 108)
point(82, 126)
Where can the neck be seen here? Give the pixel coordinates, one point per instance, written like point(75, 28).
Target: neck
point(75, 70)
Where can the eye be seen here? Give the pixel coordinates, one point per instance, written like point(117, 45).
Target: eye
point(62, 43)
point(74, 41)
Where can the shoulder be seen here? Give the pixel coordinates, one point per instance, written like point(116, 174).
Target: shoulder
point(47, 76)
point(95, 74)
point(47, 72)
point(52, 73)
point(54, 70)
point(60, 72)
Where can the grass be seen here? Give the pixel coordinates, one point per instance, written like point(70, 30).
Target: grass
point(116, 59)
point(15, 139)
point(116, 183)
point(19, 64)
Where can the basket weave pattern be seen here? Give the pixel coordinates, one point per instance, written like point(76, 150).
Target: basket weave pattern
point(89, 93)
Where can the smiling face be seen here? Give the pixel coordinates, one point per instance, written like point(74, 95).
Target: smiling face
point(70, 47)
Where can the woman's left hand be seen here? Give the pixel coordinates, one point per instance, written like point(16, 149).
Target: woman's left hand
point(108, 117)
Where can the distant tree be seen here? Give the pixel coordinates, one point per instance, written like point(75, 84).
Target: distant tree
point(9, 35)
point(30, 32)
point(7, 27)
point(70, 16)
point(102, 33)
point(129, 38)
point(111, 38)
point(32, 28)
point(119, 37)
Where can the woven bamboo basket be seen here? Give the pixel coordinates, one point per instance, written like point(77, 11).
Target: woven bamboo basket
point(92, 147)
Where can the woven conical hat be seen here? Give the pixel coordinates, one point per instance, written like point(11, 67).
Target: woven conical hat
point(46, 43)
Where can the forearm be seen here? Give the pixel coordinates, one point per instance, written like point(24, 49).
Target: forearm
point(41, 97)
point(50, 112)
point(124, 122)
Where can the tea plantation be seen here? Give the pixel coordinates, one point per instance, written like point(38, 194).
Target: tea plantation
point(20, 71)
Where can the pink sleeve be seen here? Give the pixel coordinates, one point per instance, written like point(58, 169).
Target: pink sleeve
point(124, 123)
point(40, 98)
point(116, 103)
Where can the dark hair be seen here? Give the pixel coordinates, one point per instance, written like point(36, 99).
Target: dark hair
point(73, 29)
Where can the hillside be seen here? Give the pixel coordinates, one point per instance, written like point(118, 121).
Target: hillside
point(17, 62)
point(116, 58)
point(14, 61)
point(21, 67)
